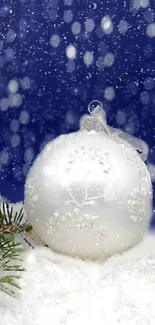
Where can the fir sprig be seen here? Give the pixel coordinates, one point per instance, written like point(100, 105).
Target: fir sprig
point(11, 225)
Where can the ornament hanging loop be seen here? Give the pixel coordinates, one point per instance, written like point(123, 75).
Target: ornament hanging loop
point(93, 105)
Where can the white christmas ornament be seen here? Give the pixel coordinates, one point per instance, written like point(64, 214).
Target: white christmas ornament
point(88, 193)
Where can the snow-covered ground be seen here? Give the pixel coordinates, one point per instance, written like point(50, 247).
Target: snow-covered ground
point(59, 290)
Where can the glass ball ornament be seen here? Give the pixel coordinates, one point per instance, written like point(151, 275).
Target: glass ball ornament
point(88, 194)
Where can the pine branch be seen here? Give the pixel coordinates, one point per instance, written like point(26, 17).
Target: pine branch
point(6, 280)
point(11, 225)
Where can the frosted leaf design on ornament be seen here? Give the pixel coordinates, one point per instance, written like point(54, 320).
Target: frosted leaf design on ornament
point(137, 206)
point(91, 153)
point(35, 198)
point(86, 222)
point(88, 200)
point(103, 164)
point(136, 209)
point(78, 219)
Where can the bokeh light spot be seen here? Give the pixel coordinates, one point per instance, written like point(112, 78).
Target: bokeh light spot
point(24, 117)
point(107, 25)
point(55, 40)
point(15, 140)
point(151, 30)
point(109, 59)
point(70, 66)
point(76, 28)
point(109, 93)
point(89, 25)
point(88, 58)
point(123, 26)
point(13, 86)
point(68, 16)
point(71, 52)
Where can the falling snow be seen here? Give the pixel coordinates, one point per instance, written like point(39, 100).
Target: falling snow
point(55, 57)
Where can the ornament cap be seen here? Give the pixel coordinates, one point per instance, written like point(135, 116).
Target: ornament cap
point(96, 120)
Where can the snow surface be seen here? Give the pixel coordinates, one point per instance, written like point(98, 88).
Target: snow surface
point(60, 290)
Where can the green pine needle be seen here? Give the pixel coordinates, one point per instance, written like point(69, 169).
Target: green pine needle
point(11, 225)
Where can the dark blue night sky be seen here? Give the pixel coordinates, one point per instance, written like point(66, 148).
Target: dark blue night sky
point(56, 56)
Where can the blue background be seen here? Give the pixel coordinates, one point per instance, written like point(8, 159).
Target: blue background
point(58, 55)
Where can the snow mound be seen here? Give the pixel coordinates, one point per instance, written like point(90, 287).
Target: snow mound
point(59, 290)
